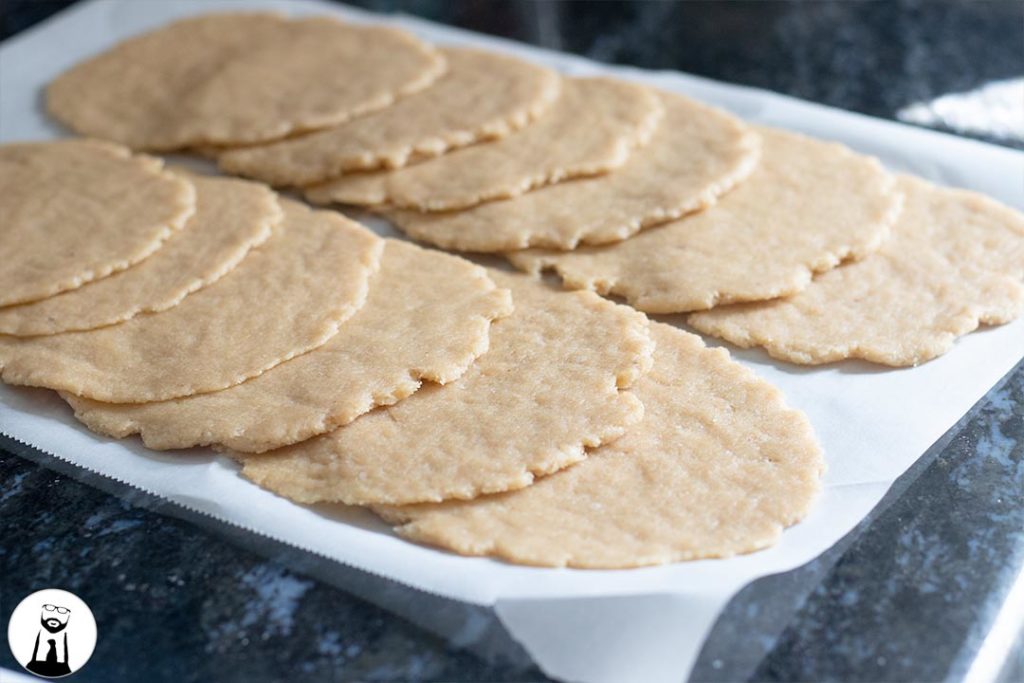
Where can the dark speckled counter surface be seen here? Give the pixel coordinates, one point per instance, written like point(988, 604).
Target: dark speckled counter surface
point(911, 594)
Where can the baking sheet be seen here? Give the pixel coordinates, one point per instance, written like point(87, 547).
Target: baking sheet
point(644, 624)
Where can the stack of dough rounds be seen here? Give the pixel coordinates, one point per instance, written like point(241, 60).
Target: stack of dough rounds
point(286, 297)
point(427, 317)
point(718, 466)
point(483, 96)
point(481, 411)
point(763, 240)
point(552, 383)
point(231, 79)
point(956, 259)
point(589, 130)
point(696, 154)
point(79, 210)
point(232, 217)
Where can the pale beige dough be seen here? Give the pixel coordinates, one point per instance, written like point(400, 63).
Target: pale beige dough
point(551, 384)
point(482, 96)
point(719, 466)
point(288, 296)
point(763, 240)
point(78, 210)
point(955, 259)
point(427, 317)
point(232, 217)
point(590, 129)
point(357, 189)
point(696, 154)
point(239, 79)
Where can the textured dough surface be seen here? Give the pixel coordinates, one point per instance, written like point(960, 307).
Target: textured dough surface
point(955, 259)
point(427, 317)
point(232, 216)
point(79, 210)
point(591, 128)
point(764, 239)
point(238, 79)
point(482, 96)
point(695, 155)
point(288, 296)
point(551, 384)
point(719, 466)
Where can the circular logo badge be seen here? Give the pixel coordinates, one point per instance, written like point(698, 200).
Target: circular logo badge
point(52, 633)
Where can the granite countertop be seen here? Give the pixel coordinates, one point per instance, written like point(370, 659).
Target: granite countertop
point(909, 595)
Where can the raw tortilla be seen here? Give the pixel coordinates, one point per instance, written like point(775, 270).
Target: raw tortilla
point(427, 317)
point(551, 384)
point(79, 210)
point(288, 296)
point(719, 466)
point(591, 128)
point(232, 217)
point(482, 96)
point(239, 78)
point(956, 259)
point(765, 239)
point(696, 154)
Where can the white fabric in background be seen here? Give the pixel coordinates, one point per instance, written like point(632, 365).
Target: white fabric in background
point(995, 109)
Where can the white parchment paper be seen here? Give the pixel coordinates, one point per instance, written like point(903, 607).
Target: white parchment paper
point(645, 624)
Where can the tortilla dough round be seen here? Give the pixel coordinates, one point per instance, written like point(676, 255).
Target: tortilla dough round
point(592, 128)
point(719, 466)
point(482, 96)
point(232, 79)
point(763, 240)
point(427, 317)
point(232, 217)
point(551, 384)
point(955, 259)
point(79, 210)
point(287, 297)
point(696, 154)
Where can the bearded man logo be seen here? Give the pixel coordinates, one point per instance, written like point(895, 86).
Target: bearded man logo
point(52, 633)
point(53, 661)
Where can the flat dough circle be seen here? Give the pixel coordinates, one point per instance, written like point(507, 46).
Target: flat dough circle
point(551, 384)
point(719, 466)
point(764, 239)
point(232, 217)
point(956, 259)
point(427, 317)
point(239, 78)
point(79, 210)
point(482, 96)
point(288, 296)
point(696, 154)
point(591, 128)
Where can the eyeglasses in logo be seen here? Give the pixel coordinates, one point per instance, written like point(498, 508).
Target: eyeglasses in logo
point(52, 633)
point(58, 610)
